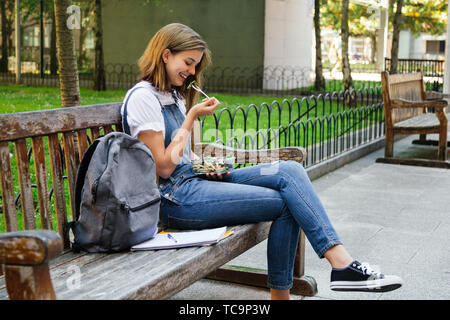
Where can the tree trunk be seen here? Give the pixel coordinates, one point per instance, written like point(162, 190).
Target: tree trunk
point(4, 59)
point(396, 37)
point(99, 67)
point(319, 83)
point(347, 76)
point(67, 60)
point(69, 83)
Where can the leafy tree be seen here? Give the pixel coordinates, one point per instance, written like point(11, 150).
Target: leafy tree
point(362, 20)
point(423, 16)
point(418, 16)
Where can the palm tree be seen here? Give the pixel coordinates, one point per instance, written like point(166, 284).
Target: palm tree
point(319, 83)
point(67, 60)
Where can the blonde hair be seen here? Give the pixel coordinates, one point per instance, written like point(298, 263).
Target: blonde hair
point(176, 37)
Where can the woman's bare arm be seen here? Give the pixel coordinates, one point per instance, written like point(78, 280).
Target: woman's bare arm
point(166, 159)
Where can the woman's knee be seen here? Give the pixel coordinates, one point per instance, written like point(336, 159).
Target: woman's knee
point(290, 166)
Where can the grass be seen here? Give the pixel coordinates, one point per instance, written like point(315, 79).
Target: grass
point(16, 98)
point(237, 112)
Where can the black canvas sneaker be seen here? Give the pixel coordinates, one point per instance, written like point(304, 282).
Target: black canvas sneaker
point(361, 277)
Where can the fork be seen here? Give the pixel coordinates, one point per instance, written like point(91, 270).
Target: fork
point(196, 88)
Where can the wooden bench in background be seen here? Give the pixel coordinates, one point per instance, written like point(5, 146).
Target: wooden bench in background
point(37, 263)
point(406, 109)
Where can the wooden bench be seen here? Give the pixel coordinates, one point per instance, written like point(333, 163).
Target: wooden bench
point(37, 263)
point(406, 111)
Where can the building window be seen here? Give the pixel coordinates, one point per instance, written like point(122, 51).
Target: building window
point(30, 37)
point(435, 46)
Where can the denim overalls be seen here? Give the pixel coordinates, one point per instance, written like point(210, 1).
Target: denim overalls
point(280, 192)
point(173, 120)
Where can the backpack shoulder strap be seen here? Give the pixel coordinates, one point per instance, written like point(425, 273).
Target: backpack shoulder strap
point(126, 127)
point(81, 174)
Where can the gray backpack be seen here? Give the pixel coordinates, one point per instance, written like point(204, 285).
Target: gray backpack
point(116, 196)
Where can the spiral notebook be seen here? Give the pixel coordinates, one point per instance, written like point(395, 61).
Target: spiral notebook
point(170, 240)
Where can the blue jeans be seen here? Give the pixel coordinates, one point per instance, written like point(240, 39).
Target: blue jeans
point(280, 192)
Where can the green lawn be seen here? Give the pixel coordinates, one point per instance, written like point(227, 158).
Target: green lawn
point(15, 98)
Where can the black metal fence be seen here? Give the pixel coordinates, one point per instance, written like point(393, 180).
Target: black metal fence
point(324, 124)
point(118, 76)
point(430, 68)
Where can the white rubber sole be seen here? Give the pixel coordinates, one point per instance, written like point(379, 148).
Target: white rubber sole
point(389, 283)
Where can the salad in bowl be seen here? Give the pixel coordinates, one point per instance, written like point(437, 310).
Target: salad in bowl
point(218, 165)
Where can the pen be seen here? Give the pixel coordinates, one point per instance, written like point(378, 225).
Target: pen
point(171, 237)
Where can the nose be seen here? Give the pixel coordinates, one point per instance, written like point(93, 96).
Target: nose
point(192, 70)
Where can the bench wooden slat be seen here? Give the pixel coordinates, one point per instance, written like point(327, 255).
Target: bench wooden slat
point(95, 133)
point(251, 156)
point(58, 185)
point(158, 274)
point(107, 129)
point(41, 181)
point(26, 196)
point(425, 121)
point(403, 78)
point(9, 209)
point(71, 167)
point(119, 127)
point(82, 143)
point(39, 123)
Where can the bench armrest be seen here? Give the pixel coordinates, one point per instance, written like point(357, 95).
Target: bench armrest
point(29, 247)
point(25, 255)
point(436, 95)
point(403, 103)
point(252, 156)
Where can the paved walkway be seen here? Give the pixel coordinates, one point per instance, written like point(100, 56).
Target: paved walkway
point(395, 217)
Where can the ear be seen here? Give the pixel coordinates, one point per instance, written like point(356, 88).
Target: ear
point(165, 55)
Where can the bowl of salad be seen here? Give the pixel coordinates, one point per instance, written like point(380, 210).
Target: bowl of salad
point(218, 165)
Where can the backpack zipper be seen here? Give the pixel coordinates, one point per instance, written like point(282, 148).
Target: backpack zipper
point(145, 205)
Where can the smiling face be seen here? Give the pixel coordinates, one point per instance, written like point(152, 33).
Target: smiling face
point(180, 65)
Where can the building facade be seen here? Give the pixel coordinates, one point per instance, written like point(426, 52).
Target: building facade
point(248, 39)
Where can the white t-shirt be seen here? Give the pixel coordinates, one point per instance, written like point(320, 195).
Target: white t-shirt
point(144, 111)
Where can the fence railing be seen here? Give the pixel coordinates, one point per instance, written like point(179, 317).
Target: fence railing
point(324, 124)
point(430, 68)
point(118, 76)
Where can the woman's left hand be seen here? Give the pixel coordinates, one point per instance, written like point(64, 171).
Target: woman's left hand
point(216, 176)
